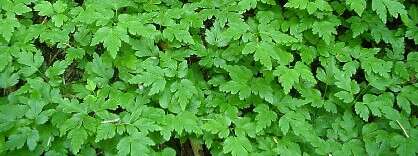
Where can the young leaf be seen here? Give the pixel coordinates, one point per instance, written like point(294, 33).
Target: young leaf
point(237, 146)
point(111, 37)
point(136, 144)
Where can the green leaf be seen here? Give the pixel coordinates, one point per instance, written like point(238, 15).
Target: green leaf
point(111, 38)
point(7, 27)
point(287, 77)
point(362, 110)
point(137, 26)
point(77, 136)
point(407, 97)
point(45, 8)
point(180, 32)
point(358, 26)
point(301, 4)
point(379, 106)
point(263, 89)
point(105, 131)
point(247, 4)
point(287, 147)
point(8, 78)
point(59, 19)
point(345, 96)
point(24, 135)
point(357, 5)
point(218, 126)
point(326, 30)
point(265, 52)
point(136, 144)
point(240, 76)
point(186, 121)
point(59, 6)
point(237, 146)
point(383, 6)
point(20, 8)
point(264, 117)
point(245, 127)
point(183, 92)
point(154, 77)
point(30, 61)
point(216, 36)
point(412, 34)
point(284, 125)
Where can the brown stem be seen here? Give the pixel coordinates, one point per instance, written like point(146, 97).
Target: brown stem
point(196, 147)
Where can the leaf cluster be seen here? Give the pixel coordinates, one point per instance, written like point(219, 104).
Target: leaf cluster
point(208, 77)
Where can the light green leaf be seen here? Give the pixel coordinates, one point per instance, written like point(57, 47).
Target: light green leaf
point(264, 117)
point(77, 136)
point(357, 5)
point(105, 131)
point(237, 146)
point(111, 38)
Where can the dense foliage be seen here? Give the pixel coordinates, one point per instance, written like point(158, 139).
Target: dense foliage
point(209, 77)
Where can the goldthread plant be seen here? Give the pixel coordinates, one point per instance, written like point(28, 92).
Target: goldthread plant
point(209, 77)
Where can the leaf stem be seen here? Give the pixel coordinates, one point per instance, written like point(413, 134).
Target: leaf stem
point(403, 129)
point(364, 90)
point(110, 121)
point(196, 147)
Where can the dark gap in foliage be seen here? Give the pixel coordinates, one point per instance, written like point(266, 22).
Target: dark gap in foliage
point(159, 27)
point(50, 54)
point(79, 2)
point(382, 53)
point(410, 46)
point(20, 17)
point(92, 114)
point(394, 24)
point(322, 87)
point(413, 79)
point(342, 29)
point(359, 76)
point(315, 65)
point(73, 73)
point(294, 93)
point(175, 144)
point(281, 2)
point(186, 148)
point(347, 14)
point(123, 10)
point(184, 1)
point(115, 77)
point(340, 64)
point(296, 58)
point(249, 13)
point(244, 111)
point(206, 151)
point(100, 49)
point(259, 75)
point(372, 118)
point(6, 91)
point(366, 44)
point(117, 111)
point(192, 59)
point(414, 110)
point(71, 37)
point(202, 36)
point(162, 46)
point(36, 18)
point(208, 23)
point(206, 74)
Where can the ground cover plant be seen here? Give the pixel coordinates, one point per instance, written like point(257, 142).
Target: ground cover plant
point(208, 77)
